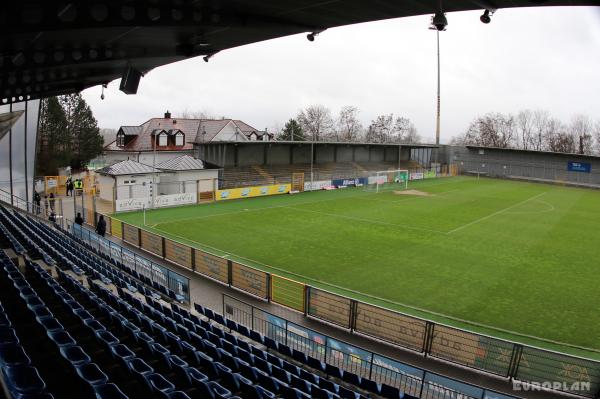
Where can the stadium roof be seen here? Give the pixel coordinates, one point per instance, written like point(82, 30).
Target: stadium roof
point(50, 47)
point(183, 162)
point(128, 167)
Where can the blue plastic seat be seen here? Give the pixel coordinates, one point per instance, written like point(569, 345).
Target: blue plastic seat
point(23, 380)
point(308, 376)
point(91, 374)
point(301, 384)
point(109, 391)
point(370, 386)
point(61, 338)
point(334, 371)
point(271, 343)
point(274, 360)
point(13, 355)
point(195, 376)
point(256, 336)
point(352, 378)
point(218, 391)
point(50, 323)
point(390, 392)
point(299, 356)
point(159, 384)
point(285, 350)
point(74, 355)
point(346, 393)
point(316, 364)
point(329, 385)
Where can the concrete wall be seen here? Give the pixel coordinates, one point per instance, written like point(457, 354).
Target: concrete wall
point(344, 154)
point(278, 154)
point(361, 154)
point(301, 153)
point(250, 154)
point(325, 154)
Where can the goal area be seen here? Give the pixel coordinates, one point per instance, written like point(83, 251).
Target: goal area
point(388, 180)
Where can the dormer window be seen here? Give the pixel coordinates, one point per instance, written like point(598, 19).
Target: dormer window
point(162, 139)
point(120, 140)
point(179, 139)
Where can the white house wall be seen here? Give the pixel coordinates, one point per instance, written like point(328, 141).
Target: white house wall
point(228, 133)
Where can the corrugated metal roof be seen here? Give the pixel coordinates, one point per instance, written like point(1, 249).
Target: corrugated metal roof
point(128, 167)
point(183, 162)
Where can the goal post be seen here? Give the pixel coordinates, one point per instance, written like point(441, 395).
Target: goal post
point(385, 180)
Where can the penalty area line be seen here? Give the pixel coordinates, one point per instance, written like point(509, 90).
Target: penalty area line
point(495, 213)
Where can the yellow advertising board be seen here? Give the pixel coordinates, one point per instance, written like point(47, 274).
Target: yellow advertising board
point(256, 191)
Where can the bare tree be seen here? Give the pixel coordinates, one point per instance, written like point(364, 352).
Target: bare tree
point(491, 130)
point(349, 127)
point(540, 122)
point(597, 135)
point(316, 122)
point(405, 131)
point(381, 128)
point(581, 128)
point(558, 138)
point(524, 124)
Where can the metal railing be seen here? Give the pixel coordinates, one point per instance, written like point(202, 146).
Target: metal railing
point(144, 267)
point(366, 364)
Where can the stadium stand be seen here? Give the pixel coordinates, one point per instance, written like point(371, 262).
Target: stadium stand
point(246, 176)
point(73, 316)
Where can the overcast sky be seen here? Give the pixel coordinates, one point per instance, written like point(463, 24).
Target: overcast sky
point(546, 58)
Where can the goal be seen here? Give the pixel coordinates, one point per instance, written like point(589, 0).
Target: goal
point(386, 180)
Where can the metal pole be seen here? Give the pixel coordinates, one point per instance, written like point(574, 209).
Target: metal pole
point(25, 151)
point(153, 171)
point(312, 156)
point(10, 161)
point(437, 122)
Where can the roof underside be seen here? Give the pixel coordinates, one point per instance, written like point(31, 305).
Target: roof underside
point(50, 47)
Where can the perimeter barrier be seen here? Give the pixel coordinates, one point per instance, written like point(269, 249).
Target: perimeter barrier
point(511, 360)
point(366, 364)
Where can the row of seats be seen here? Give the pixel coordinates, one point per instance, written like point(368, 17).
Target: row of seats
point(64, 248)
point(18, 373)
point(233, 365)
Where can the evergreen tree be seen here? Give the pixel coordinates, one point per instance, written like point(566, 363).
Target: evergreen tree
point(86, 141)
point(53, 141)
point(292, 132)
point(69, 134)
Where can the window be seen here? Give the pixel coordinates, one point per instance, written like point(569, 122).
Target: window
point(162, 140)
point(179, 139)
point(120, 140)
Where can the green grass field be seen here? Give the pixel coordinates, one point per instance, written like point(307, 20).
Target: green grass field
point(512, 259)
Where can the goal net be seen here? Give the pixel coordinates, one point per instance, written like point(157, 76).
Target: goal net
point(388, 180)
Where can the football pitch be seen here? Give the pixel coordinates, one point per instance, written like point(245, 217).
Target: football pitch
point(511, 259)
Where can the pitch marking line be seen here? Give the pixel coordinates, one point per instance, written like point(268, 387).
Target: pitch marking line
point(361, 195)
point(372, 221)
point(495, 213)
point(203, 247)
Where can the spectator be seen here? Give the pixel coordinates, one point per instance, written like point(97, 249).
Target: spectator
point(79, 219)
point(52, 217)
point(101, 226)
point(51, 200)
point(46, 203)
point(69, 186)
point(37, 202)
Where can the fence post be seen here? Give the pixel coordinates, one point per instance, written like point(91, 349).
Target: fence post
point(252, 317)
point(371, 368)
point(428, 338)
point(286, 332)
point(306, 299)
point(515, 361)
point(223, 296)
point(422, 384)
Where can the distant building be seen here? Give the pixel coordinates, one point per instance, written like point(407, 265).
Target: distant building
point(161, 139)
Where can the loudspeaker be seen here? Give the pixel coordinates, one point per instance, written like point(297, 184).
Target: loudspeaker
point(130, 81)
